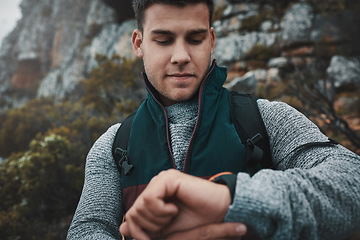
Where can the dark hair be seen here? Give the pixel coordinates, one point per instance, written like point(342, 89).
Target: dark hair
point(141, 5)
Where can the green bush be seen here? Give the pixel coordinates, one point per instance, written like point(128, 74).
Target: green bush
point(261, 52)
point(253, 23)
point(45, 145)
point(19, 126)
point(113, 81)
point(38, 187)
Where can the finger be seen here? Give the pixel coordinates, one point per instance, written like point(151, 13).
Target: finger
point(132, 231)
point(157, 208)
point(212, 231)
point(159, 217)
point(148, 225)
point(144, 216)
point(153, 223)
point(124, 229)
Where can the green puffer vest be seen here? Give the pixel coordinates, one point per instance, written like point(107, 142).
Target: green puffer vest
point(214, 146)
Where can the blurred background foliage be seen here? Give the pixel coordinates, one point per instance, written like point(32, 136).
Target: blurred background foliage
point(45, 145)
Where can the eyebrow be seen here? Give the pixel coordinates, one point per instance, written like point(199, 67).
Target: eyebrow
point(162, 32)
point(191, 32)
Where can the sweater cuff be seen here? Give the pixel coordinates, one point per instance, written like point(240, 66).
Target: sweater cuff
point(229, 180)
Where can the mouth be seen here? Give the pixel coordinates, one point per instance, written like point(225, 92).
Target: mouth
point(180, 76)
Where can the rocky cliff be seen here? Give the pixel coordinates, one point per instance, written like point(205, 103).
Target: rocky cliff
point(54, 46)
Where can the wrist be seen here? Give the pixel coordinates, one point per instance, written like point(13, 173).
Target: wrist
point(223, 201)
point(228, 179)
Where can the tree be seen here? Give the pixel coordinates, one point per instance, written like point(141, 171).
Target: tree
point(317, 93)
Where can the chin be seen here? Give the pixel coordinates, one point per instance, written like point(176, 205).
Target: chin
point(184, 98)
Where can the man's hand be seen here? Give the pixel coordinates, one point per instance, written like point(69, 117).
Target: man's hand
point(216, 231)
point(175, 202)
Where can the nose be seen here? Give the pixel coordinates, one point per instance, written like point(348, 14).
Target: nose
point(180, 54)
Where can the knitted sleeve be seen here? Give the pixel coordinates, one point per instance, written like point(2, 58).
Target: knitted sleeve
point(314, 193)
point(98, 214)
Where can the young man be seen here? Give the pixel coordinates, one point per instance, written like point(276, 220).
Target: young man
point(184, 124)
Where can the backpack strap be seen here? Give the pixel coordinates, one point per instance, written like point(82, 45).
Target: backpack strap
point(245, 115)
point(119, 148)
point(307, 146)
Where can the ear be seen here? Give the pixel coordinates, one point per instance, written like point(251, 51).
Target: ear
point(137, 42)
point(212, 35)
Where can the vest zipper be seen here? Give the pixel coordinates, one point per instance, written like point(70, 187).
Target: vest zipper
point(198, 116)
point(166, 121)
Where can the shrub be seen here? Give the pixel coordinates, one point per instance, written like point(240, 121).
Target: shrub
point(39, 186)
point(328, 7)
point(261, 52)
point(113, 81)
point(19, 126)
point(253, 23)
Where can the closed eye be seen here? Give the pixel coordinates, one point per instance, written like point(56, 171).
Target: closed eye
point(163, 42)
point(197, 37)
point(195, 41)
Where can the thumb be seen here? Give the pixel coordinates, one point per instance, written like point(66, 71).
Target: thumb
point(124, 229)
point(226, 230)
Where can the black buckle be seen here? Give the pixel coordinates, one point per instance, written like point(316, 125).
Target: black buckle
point(254, 140)
point(123, 161)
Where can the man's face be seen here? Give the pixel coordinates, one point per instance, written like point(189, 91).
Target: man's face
point(176, 46)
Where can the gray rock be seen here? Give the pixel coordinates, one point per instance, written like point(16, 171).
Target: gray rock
point(227, 26)
point(297, 24)
point(260, 74)
point(246, 83)
point(233, 17)
point(344, 70)
point(250, 9)
point(113, 39)
point(273, 75)
point(266, 26)
point(233, 48)
point(278, 62)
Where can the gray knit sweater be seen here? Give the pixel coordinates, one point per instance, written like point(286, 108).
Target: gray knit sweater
point(313, 194)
